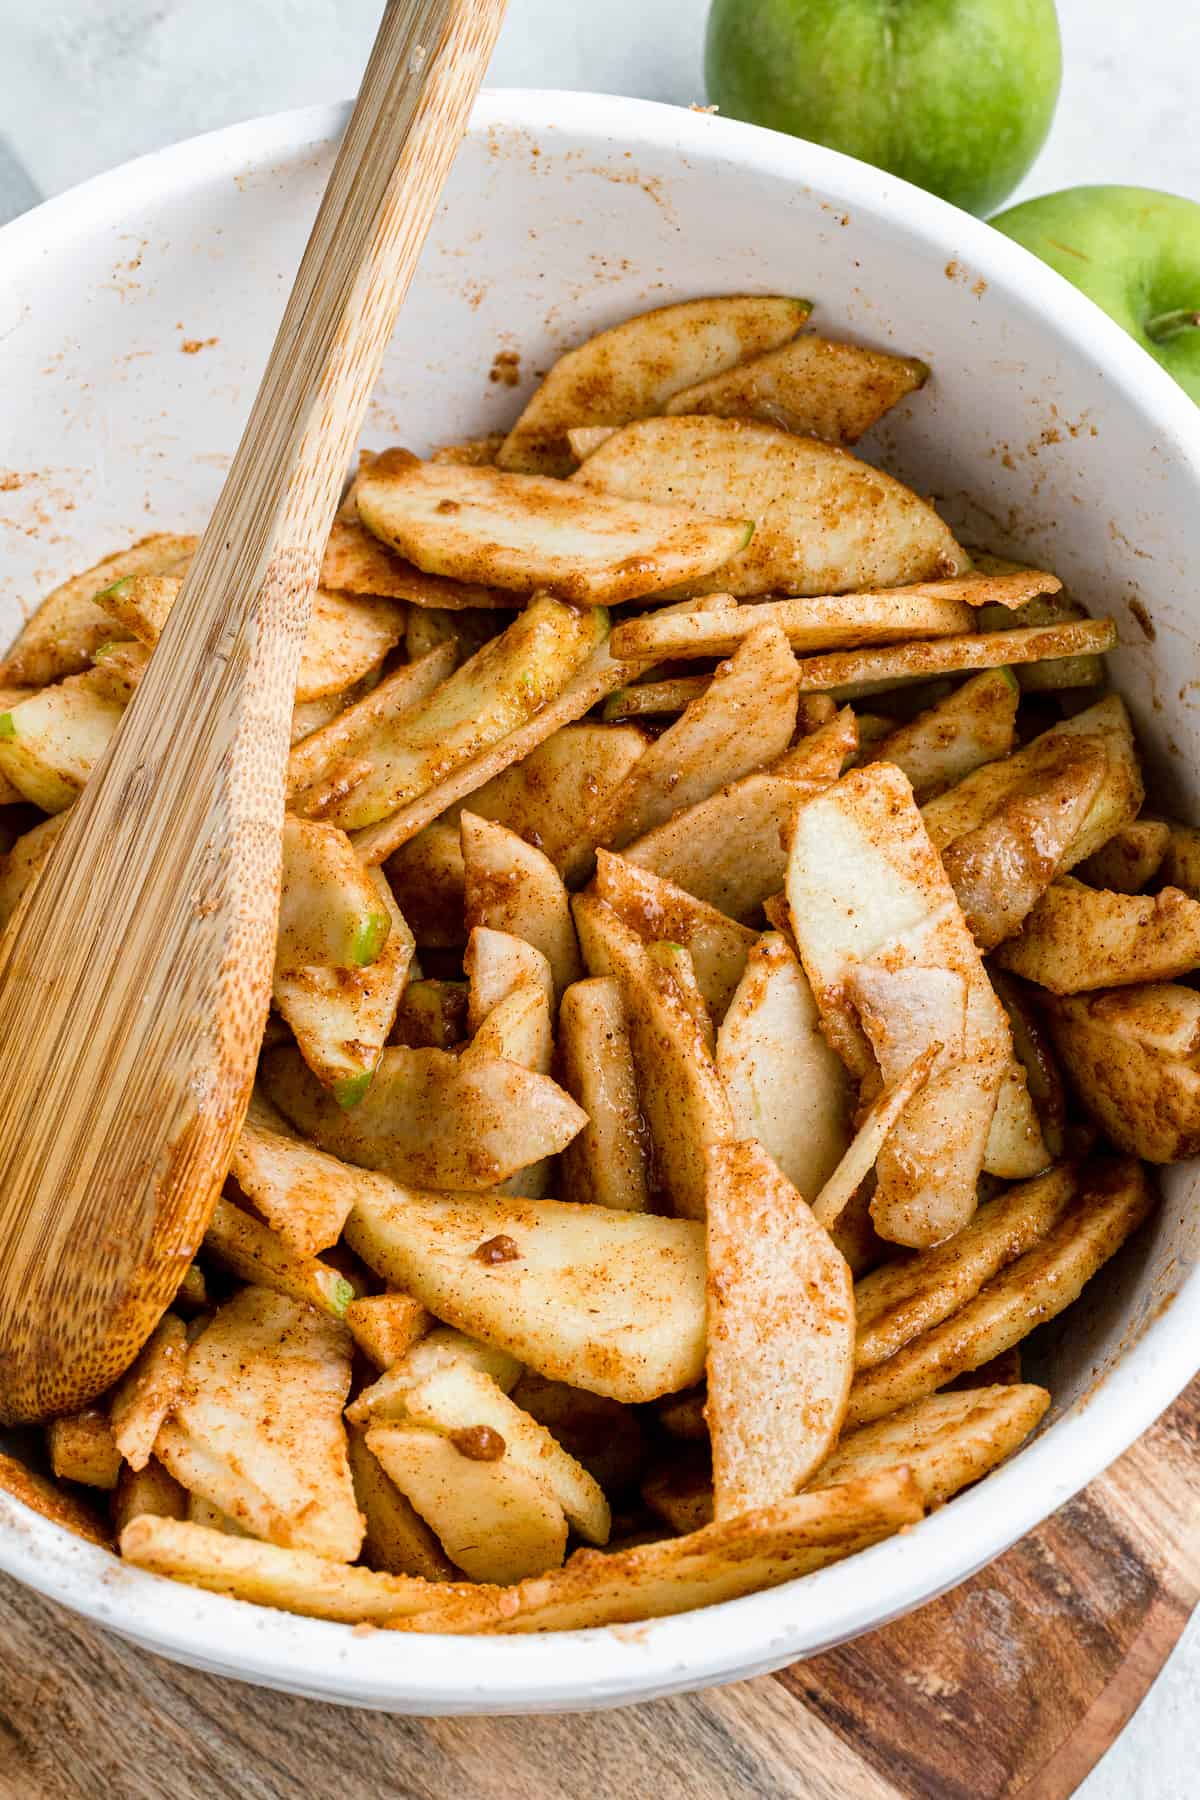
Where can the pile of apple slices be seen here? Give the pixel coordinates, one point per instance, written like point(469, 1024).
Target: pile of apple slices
point(708, 1037)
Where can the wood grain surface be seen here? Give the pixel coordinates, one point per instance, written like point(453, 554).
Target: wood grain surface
point(1015, 1684)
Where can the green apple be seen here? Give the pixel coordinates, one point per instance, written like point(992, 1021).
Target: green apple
point(955, 95)
point(1134, 252)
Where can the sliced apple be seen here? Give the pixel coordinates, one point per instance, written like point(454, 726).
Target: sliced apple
point(69, 627)
point(495, 1520)
point(973, 726)
point(148, 1391)
point(511, 886)
point(682, 1096)
point(597, 677)
point(22, 865)
point(730, 850)
point(50, 743)
point(342, 1017)
point(303, 1194)
point(1048, 606)
point(851, 673)
point(495, 963)
point(838, 1206)
point(330, 909)
point(607, 1164)
point(897, 1302)
point(813, 386)
point(787, 1089)
point(386, 1326)
point(1001, 870)
point(1114, 1199)
point(605, 1300)
point(866, 887)
point(442, 1348)
point(253, 1252)
point(397, 1539)
point(633, 369)
point(676, 1575)
point(659, 911)
point(258, 1429)
point(355, 562)
point(344, 742)
point(501, 686)
point(745, 719)
point(827, 622)
point(824, 523)
point(1131, 858)
point(780, 1332)
point(1079, 938)
point(428, 1118)
point(1133, 1058)
point(947, 1441)
point(531, 535)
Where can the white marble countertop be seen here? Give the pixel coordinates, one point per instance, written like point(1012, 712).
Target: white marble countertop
point(86, 84)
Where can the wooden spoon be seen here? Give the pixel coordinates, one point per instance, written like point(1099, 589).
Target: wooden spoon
point(135, 981)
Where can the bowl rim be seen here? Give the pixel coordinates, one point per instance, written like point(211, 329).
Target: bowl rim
point(740, 1638)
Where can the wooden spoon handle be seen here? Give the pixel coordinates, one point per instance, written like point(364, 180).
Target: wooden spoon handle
point(134, 984)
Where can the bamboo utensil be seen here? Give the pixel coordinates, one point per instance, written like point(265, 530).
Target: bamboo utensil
point(135, 981)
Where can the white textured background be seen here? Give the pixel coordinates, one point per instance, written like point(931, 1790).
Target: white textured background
point(87, 83)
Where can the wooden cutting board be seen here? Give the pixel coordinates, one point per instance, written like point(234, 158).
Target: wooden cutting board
point(1015, 1684)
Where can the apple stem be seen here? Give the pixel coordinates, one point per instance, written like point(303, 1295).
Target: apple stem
point(1168, 325)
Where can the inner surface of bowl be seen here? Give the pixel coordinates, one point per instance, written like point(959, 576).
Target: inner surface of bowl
point(135, 318)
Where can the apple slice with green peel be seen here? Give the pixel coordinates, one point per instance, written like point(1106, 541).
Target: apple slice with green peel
point(69, 626)
point(780, 1333)
point(303, 1194)
point(348, 737)
point(813, 386)
point(1130, 860)
point(10, 697)
point(119, 668)
point(22, 865)
point(532, 534)
point(1117, 801)
point(1078, 939)
point(607, 1164)
point(605, 1300)
point(428, 1118)
point(495, 1520)
point(497, 690)
point(459, 1399)
point(1134, 251)
point(1000, 870)
point(511, 886)
point(595, 678)
point(786, 1087)
point(974, 725)
point(745, 719)
point(865, 887)
point(823, 622)
point(1133, 1058)
point(347, 635)
point(330, 911)
point(342, 1016)
point(633, 369)
point(825, 523)
point(253, 1252)
point(50, 743)
point(658, 910)
point(258, 1428)
point(682, 1097)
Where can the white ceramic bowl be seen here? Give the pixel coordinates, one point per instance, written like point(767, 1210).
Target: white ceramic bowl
point(1044, 431)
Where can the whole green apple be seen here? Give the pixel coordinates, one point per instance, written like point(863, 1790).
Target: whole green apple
point(955, 95)
point(1134, 252)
